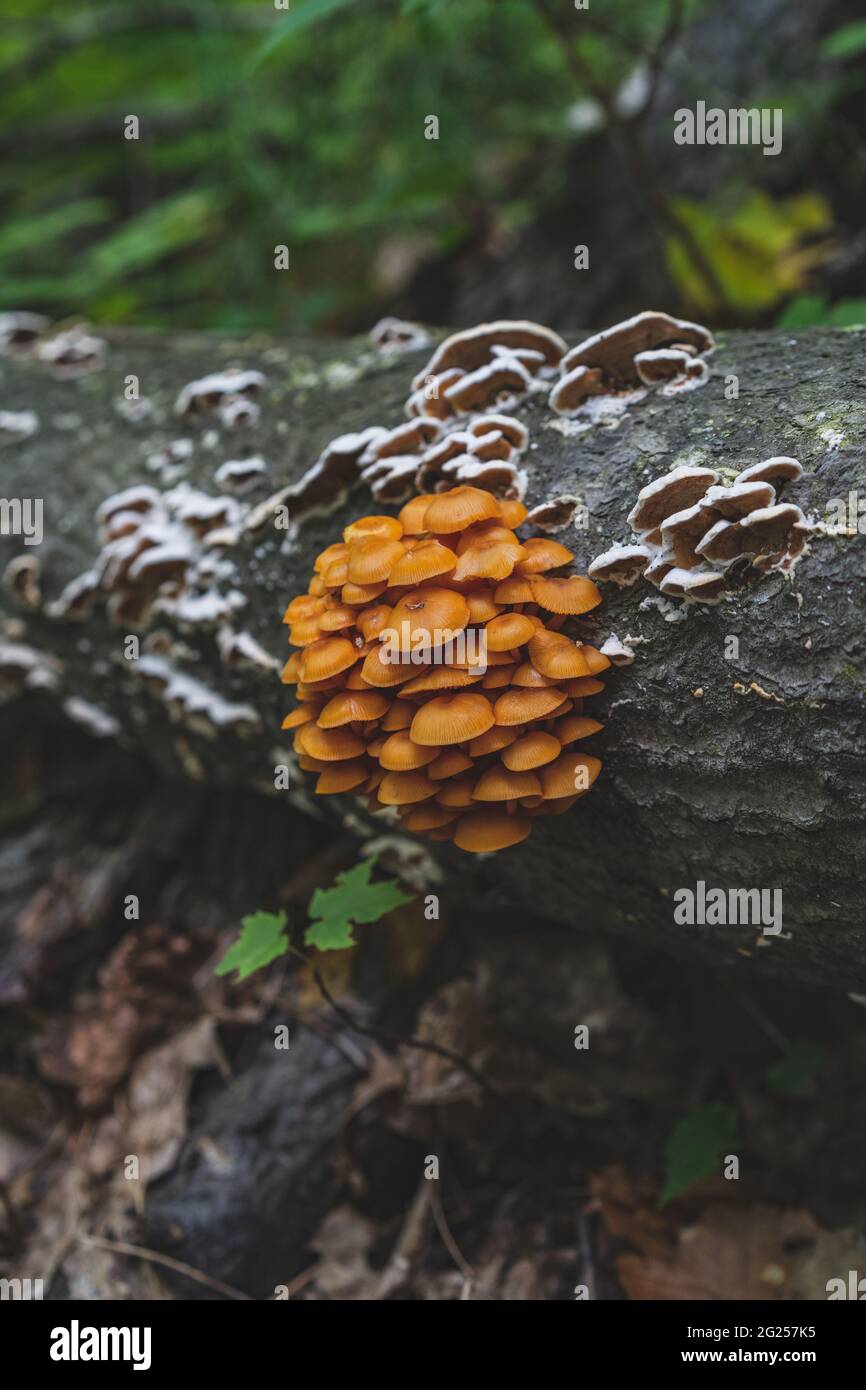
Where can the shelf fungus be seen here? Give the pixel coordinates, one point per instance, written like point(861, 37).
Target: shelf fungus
point(231, 393)
point(432, 673)
point(651, 349)
point(486, 367)
point(392, 335)
point(20, 332)
point(698, 539)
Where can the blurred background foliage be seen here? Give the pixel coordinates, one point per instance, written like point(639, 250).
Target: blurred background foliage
point(302, 122)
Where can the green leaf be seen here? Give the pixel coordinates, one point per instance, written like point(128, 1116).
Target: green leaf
point(848, 313)
point(806, 311)
point(305, 13)
point(261, 941)
point(796, 1071)
point(847, 41)
point(696, 1146)
point(351, 900)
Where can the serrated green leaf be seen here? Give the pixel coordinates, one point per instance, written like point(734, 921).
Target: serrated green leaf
point(795, 1072)
point(696, 1146)
point(350, 901)
point(261, 941)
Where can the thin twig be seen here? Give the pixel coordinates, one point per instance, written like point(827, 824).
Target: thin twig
point(394, 1039)
point(140, 1252)
point(396, 1272)
point(447, 1236)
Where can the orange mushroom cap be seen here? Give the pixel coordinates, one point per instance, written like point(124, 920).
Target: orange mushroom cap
point(290, 675)
point(440, 678)
point(405, 788)
point(336, 618)
point(450, 763)
point(335, 576)
point(351, 706)
point(567, 775)
point(326, 658)
point(479, 832)
point(499, 783)
point(459, 508)
point(342, 777)
point(386, 528)
point(400, 754)
point(362, 593)
point(481, 606)
point(488, 559)
point(450, 719)
point(557, 656)
point(426, 560)
point(400, 715)
point(513, 512)
point(534, 749)
point(302, 606)
point(522, 706)
point(371, 621)
point(430, 816)
point(327, 557)
point(329, 745)
point(456, 792)
point(412, 516)
point(302, 715)
point(305, 631)
point(499, 677)
point(507, 631)
point(543, 553)
point(371, 560)
point(574, 726)
point(572, 595)
point(595, 660)
point(513, 590)
point(429, 614)
point(583, 685)
point(381, 673)
point(526, 675)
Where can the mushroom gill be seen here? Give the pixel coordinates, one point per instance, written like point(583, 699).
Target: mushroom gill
point(433, 675)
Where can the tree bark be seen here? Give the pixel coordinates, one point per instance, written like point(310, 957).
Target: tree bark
point(757, 782)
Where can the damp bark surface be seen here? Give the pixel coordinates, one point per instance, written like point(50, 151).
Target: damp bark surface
point(733, 745)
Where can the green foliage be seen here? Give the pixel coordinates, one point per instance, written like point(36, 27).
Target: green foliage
point(696, 1146)
point(260, 942)
point(334, 912)
point(304, 126)
point(812, 310)
point(350, 901)
point(305, 13)
point(261, 127)
point(761, 248)
point(846, 42)
point(797, 1070)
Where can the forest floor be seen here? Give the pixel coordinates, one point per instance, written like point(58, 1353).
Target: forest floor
point(156, 1141)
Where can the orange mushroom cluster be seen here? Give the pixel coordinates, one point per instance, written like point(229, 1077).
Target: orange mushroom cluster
point(432, 673)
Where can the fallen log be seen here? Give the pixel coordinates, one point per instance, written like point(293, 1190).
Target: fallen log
point(733, 764)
